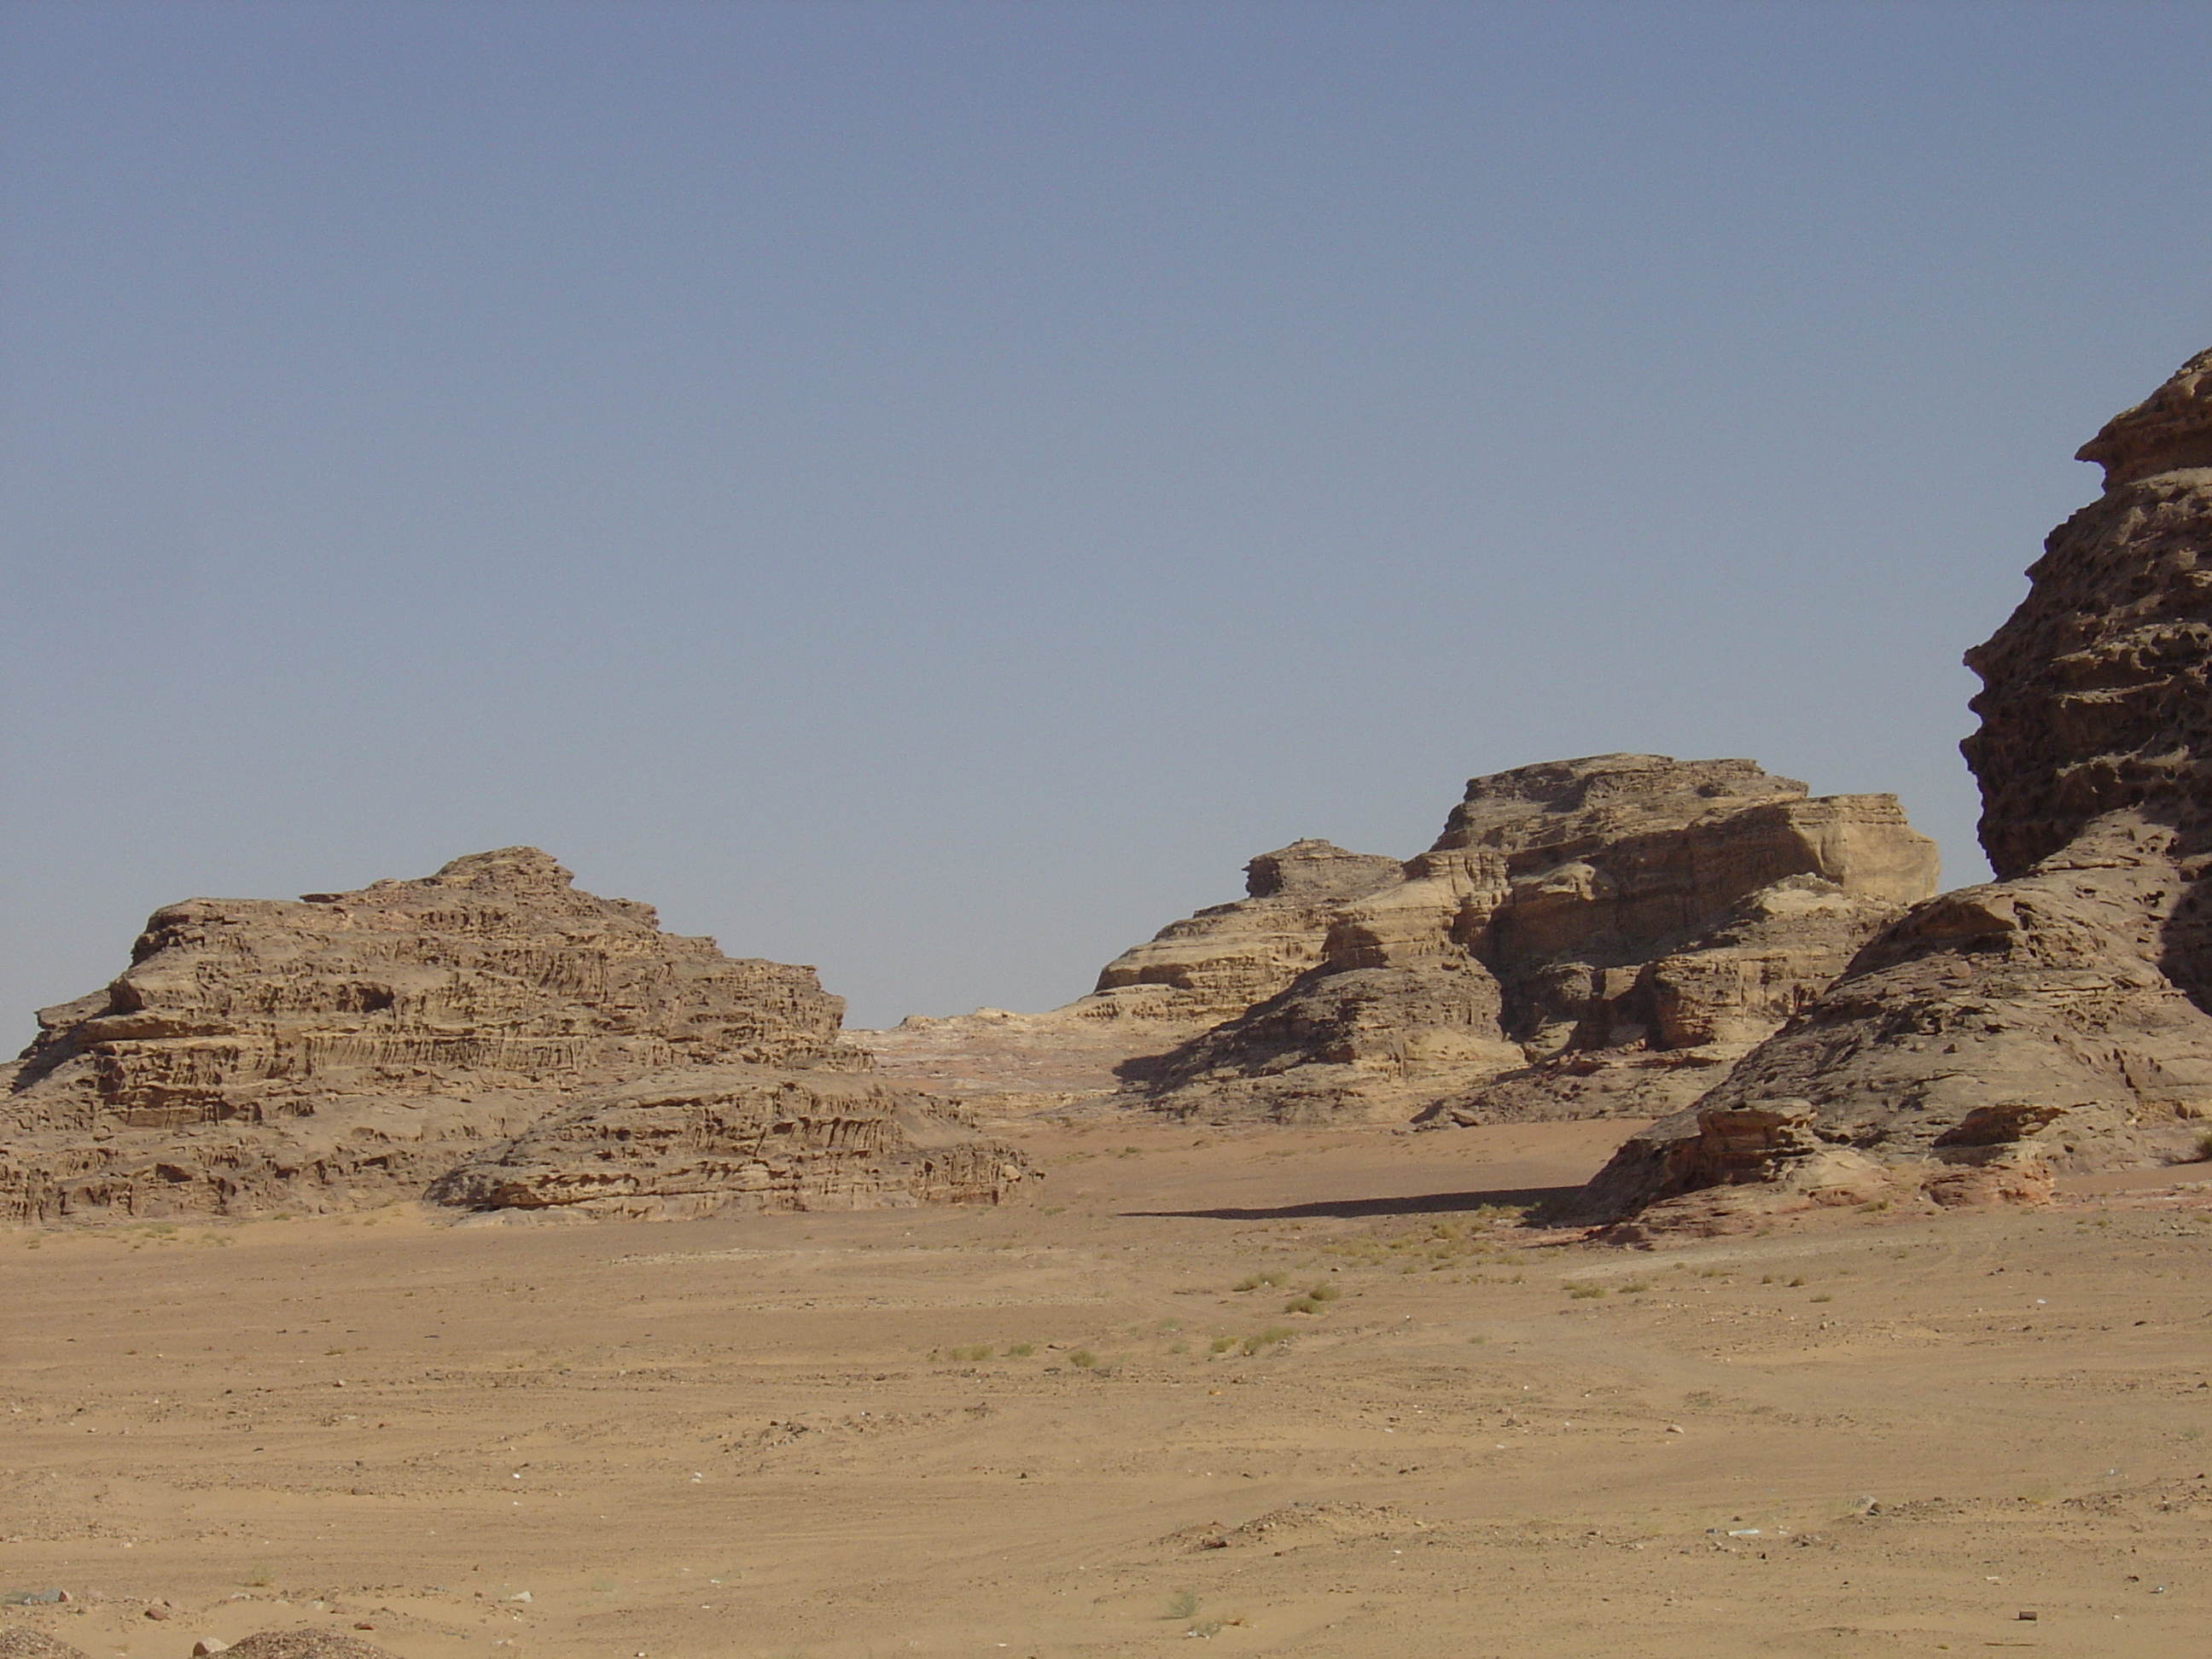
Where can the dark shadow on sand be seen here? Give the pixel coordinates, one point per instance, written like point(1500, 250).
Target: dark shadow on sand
point(1511, 1197)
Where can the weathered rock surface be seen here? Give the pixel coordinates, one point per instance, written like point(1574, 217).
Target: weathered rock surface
point(350, 1048)
point(306, 1642)
point(1586, 937)
point(696, 1143)
point(2053, 1019)
point(22, 1642)
point(1191, 974)
point(1224, 959)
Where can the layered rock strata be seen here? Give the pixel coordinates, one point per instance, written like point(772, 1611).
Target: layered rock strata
point(1190, 976)
point(1585, 938)
point(678, 1146)
point(1221, 960)
point(2054, 1018)
point(349, 1048)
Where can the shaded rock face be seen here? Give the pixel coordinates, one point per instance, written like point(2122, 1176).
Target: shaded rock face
point(349, 1048)
point(2054, 1019)
point(1584, 937)
point(679, 1145)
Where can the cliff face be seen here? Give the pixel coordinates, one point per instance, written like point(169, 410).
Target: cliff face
point(1228, 956)
point(1192, 974)
point(2054, 1019)
point(347, 1047)
point(1584, 937)
point(493, 967)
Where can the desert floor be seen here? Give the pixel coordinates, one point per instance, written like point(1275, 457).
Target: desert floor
point(774, 1435)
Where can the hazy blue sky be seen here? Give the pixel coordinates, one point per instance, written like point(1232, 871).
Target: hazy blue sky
point(928, 489)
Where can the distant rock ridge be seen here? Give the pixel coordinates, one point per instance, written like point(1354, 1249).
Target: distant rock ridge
point(1585, 938)
point(347, 1047)
point(1227, 957)
point(2054, 1018)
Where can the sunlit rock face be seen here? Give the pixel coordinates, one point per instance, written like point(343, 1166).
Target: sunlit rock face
point(1585, 936)
point(2064, 1003)
point(347, 1047)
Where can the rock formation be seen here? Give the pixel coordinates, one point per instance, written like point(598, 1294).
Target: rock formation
point(694, 1143)
point(1585, 936)
point(1227, 957)
point(2054, 1018)
point(1190, 976)
point(350, 1048)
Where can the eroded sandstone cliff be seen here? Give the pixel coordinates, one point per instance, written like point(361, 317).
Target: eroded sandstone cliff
point(680, 1145)
point(349, 1048)
point(1190, 975)
point(1584, 937)
point(2054, 1019)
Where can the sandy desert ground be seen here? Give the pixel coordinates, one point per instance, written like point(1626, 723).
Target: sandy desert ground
point(1063, 1430)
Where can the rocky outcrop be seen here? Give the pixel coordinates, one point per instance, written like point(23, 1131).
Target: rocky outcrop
point(1585, 936)
point(350, 1048)
point(1224, 959)
point(2054, 1018)
point(740, 1139)
point(1190, 975)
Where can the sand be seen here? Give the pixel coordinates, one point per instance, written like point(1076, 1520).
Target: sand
point(775, 1436)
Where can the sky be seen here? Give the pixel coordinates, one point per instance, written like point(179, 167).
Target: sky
point(927, 490)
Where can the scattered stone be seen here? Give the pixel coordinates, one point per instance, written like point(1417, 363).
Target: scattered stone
point(160, 1610)
point(308, 1642)
point(207, 1645)
point(19, 1642)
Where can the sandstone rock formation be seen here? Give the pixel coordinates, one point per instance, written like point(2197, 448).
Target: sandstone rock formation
point(1585, 936)
point(350, 1048)
point(680, 1145)
point(1227, 957)
point(2056, 1018)
point(1190, 975)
